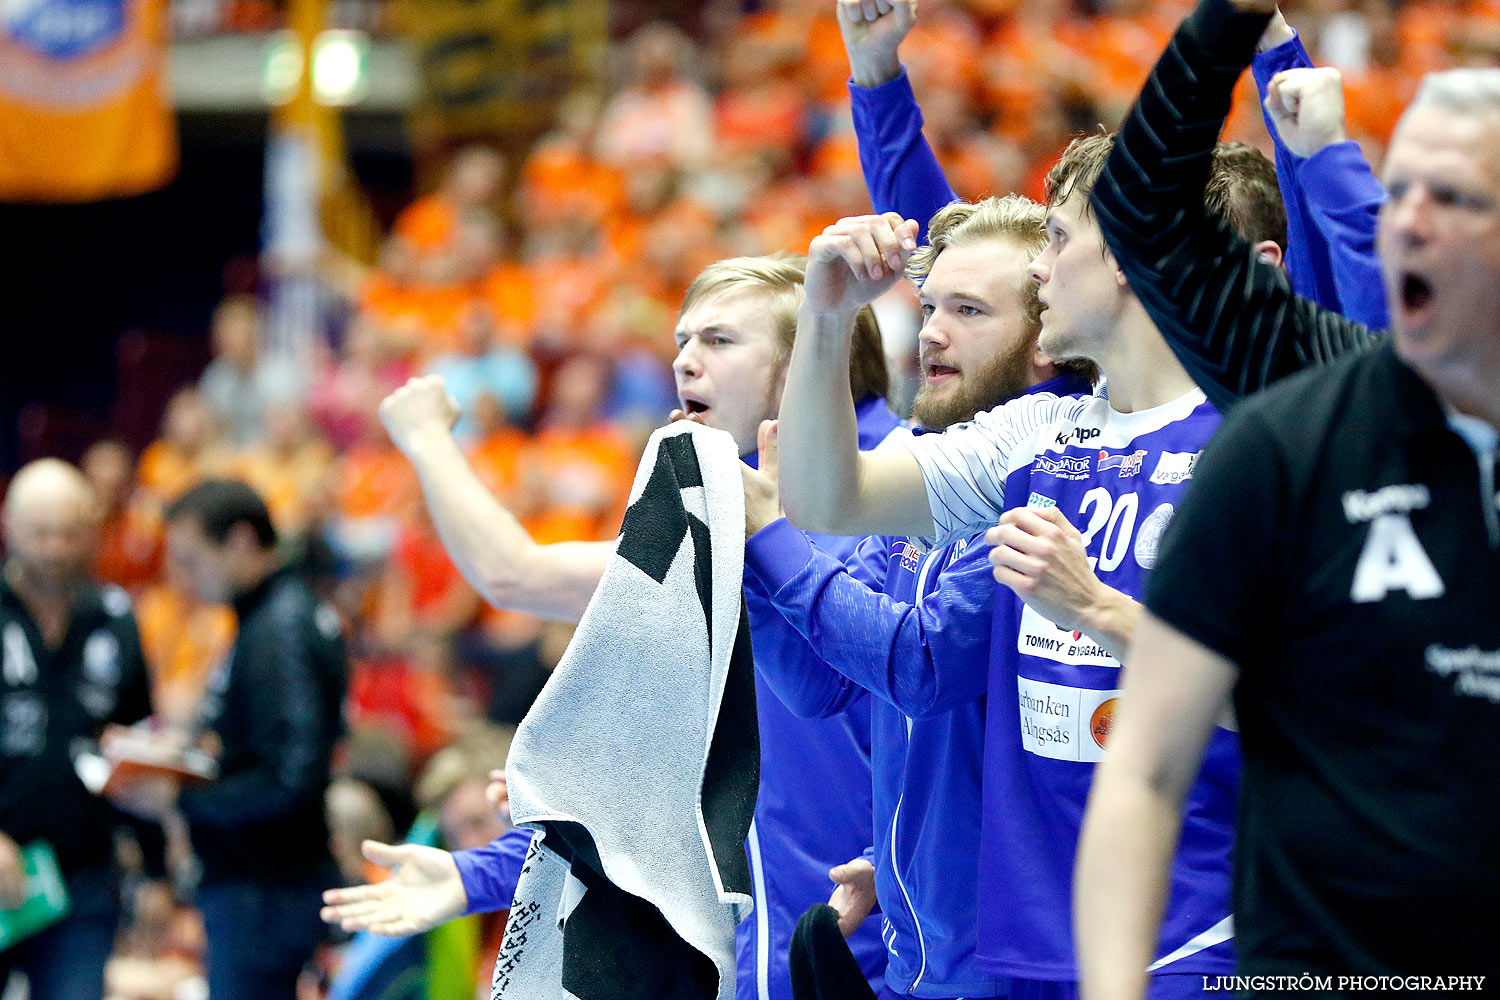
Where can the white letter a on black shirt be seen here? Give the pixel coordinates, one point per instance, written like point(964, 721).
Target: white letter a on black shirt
point(1393, 559)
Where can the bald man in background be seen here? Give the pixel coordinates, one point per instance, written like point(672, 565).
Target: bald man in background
point(70, 663)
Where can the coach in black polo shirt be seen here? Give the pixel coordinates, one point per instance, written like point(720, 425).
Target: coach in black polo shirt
point(1337, 568)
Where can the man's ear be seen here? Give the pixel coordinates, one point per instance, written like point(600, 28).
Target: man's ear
point(1114, 264)
point(1270, 252)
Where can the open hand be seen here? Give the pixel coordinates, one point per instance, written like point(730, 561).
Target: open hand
point(424, 890)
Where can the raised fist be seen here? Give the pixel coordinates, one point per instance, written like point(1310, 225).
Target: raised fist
point(1307, 106)
point(873, 30)
point(418, 410)
point(856, 260)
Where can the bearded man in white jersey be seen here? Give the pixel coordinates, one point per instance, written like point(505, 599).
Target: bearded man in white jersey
point(1112, 467)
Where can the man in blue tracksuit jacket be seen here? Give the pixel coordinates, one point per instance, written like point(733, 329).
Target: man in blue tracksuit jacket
point(912, 628)
point(814, 805)
point(1331, 196)
point(815, 794)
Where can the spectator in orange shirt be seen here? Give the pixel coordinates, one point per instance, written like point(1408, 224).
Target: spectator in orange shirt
point(188, 450)
point(130, 546)
point(561, 178)
point(649, 188)
point(662, 114)
point(567, 261)
point(427, 317)
point(183, 637)
point(287, 468)
point(759, 108)
point(501, 455)
point(472, 181)
point(373, 488)
point(1376, 96)
point(586, 466)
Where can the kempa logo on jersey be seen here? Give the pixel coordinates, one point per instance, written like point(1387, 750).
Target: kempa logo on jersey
point(1077, 435)
point(1175, 467)
point(1063, 468)
point(1400, 498)
point(1129, 465)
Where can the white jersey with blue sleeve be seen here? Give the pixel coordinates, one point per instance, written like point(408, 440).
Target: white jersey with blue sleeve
point(1052, 692)
point(966, 466)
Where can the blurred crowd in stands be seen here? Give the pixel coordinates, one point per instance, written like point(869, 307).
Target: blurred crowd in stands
point(545, 294)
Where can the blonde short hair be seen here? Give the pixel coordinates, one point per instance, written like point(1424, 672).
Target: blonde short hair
point(469, 758)
point(1011, 217)
point(1014, 218)
point(779, 277)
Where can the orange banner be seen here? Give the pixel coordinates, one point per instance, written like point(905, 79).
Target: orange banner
point(84, 109)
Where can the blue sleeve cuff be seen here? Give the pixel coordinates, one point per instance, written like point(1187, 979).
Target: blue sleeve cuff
point(1290, 54)
point(475, 884)
point(876, 100)
point(1339, 177)
point(777, 553)
point(489, 874)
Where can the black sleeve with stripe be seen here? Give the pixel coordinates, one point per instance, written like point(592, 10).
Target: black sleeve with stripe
point(1231, 318)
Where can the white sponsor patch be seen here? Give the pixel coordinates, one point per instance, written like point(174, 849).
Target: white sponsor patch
point(1065, 723)
point(1040, 637)
point(1148, 537)
point(1175, 467)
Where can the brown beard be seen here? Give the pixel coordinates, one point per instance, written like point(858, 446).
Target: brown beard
point(1005, 377)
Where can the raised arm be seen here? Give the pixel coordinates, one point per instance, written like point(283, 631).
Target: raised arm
point(827, 484)
point(1234, 321)
point(1331, 195)
point(900, 169)
point(488, 545)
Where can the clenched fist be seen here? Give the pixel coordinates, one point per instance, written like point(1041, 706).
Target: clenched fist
point(1307, 106)
point(856, 260)
point(418, 411)
point(873, 30)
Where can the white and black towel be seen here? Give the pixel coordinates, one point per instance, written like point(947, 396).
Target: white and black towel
point(638, 763)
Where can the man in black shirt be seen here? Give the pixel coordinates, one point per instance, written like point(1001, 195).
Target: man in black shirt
point(70, 663)
point(273, 707)
point(1336, 565)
